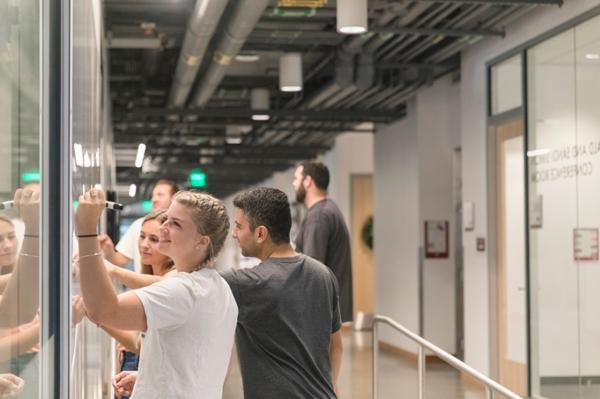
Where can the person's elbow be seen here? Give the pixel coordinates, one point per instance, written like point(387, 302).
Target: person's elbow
point(101, 314)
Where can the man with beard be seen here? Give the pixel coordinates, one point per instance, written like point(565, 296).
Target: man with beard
point(288, 334)
point(323, 234)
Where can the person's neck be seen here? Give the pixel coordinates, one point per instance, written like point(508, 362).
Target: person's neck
point(277, 251)
point(188, 266)
point(159, 270)
point(313, 197)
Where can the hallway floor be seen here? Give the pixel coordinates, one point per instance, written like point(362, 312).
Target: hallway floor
point(398, 376)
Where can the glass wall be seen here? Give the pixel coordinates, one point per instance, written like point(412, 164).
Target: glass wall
point(563, 75)
point(21, 310)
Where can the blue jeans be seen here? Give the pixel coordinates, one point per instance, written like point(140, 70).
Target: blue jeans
point(129, 362)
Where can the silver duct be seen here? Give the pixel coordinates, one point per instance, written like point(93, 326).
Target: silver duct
point(201, 27)
point(239, 26)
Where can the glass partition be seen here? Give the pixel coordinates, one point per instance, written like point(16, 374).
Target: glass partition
point(21, 310)
point(564, 194)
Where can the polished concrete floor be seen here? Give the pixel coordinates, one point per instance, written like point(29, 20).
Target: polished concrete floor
point(398, 376)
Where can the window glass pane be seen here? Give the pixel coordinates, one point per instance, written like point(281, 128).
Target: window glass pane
point(19, 225)
point(564, 167)
point(506, 85)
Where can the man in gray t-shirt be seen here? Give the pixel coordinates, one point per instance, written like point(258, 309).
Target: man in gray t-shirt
point(323, 234)
point(288, 335)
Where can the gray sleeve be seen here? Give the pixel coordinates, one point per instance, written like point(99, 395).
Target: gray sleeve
point(336, 321)
point(232, 277)
point(315, 238)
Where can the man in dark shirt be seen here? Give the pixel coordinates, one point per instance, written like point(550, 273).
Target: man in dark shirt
point(288, 335)
point(323, 234)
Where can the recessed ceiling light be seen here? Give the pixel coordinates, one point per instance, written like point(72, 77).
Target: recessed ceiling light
point(247, 57)
point(353, 30)
point(260, 117)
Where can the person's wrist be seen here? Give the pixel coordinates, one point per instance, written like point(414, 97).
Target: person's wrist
point(87, 231)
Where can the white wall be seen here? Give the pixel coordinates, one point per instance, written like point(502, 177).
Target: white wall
point(352, 154)
point(414, 183)
point(396, 226)
point(437, 118)
point(473, 116)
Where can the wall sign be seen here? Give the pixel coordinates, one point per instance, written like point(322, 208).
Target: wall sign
point(436, 239)
point(585, 244)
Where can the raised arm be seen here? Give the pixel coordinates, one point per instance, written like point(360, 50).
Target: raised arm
point(101, 301)
point(110, 253)
point(20, 298)
point(19, 342)
point(131, 279)
point(129, 339)
point(4, 281)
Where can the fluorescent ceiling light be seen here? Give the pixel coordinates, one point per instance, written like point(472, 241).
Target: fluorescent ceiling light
point(78, 154)
point(247, 57)
point(233, 140)
point(592, 56)
point(132, 190)
point(87, 162)
point(260, 117)
point(537, 153)
point(139, 159)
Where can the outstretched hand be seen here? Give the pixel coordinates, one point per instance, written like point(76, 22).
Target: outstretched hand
point(10, 385)
point(124, 381)
point(90, 208)
point(27, 204)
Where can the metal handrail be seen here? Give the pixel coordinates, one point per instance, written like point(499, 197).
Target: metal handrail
point(490, 385)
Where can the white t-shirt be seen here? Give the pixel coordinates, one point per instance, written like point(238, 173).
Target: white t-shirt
point(128, 244)
point(186, 349)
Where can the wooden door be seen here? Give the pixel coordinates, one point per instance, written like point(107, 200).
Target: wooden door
point(510, 257)
point(362, 255)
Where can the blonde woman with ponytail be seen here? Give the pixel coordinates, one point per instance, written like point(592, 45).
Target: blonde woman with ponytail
point(188, 319)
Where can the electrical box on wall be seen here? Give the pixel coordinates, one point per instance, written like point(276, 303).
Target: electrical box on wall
point(480, 244)
point(469, 215)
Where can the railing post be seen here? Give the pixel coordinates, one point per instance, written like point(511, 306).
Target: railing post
point(489, 394)
point(375, 358)
point(421, 371)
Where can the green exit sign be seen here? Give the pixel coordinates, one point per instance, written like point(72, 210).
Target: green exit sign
point(197, 178)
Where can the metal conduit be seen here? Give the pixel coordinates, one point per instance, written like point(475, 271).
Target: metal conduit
point(239, 26)
point(201, 27)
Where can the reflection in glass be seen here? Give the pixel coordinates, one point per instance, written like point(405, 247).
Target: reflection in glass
point(564, 167)
point(19, 223)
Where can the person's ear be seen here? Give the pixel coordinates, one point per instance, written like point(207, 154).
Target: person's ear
point(261, 233)
point(307, 182)
point(203, 241)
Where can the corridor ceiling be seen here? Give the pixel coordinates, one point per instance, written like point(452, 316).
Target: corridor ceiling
point(192, 108)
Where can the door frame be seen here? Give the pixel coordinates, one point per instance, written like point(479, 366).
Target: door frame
point(493, 122)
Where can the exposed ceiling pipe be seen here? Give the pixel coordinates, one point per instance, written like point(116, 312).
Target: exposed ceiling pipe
point(151, 61)
point(344, 73)
point(342, 84)
point(239, 26)
point(202, 25)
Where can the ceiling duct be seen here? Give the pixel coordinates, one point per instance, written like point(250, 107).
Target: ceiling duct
point(239, 26)
point(201, 27)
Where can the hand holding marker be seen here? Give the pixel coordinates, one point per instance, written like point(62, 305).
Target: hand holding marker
point(109, 204)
